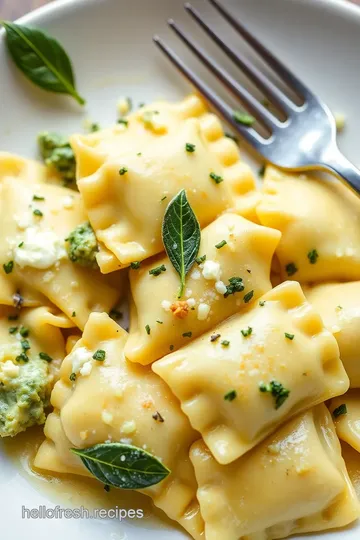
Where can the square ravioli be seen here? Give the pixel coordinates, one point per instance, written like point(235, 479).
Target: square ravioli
point(269, 363)
point(35, 220)
point(338, 305)
point(32, 348)
point(294, 482)
point(346, 414)
point(115, 400)
point(223, 282)
point(319, 221)
point(128, 174)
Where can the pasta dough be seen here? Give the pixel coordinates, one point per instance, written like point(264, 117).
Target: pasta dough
point(277, 360)
point(320, 225)
point(347, 422)
point(338, 305)
point(35, 219)
point(124, 399)
point(292, 483)
point(128, 174)
point(247, 255)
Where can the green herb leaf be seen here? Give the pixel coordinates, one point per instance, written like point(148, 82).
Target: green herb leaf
point(38, 212)
point(225, 343)
point(72, 377)
point(13, 329)
point(313, 256)
point(278, 392)
point(230, 396)
point(122, 465)
point(41, 59)
point(291, 269)
point(248, 296)
point(148, 329)
point(243, 118)
point(200, 260)
point(247, 332)
point(45, 356)
point(217, 179)
point(221, 244)
point(38, 198)
point(8, 267)
point(99, 355)
point(187, 334)
point(158, 270)
point(340, 410)
point(289, 336)
point(135, 265)
point(235, 285)
point(24, 332)
point(123, 171)
point(189, 147)
point(181, 236)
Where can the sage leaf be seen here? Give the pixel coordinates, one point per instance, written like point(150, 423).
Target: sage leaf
point(122, 465)
point(41, 59)
point(181, 236)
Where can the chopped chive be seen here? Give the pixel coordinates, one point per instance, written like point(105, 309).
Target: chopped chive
point(99, 355)
point(24, 332)
point(230, 396)
point(21, 244)
point(235, 285)
point(171, 347)
point(123, 171)
point(248, 296)
point(221, 244)
point(163, 199)
point(13, 329)
point(187, 334)
point(158, 270)
point(214, 337)
point(23, 357)
point(135, 265)
point(45, 356)
point(148, 330)
point(189, 147)
point(38, 198)
point(289, 336)
point(225, 343)
point(313, 256)
point(123, 121)
point(201, 259)
point(25, 345)
point(38, 212)
point(341, 409)
point(8, 267)
point(217, 179)
point(262, 303)
point(277, 390)
point(247, 332)
point(243, 118)
point(72, 377)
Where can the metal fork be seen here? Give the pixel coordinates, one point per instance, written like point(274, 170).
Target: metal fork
point(305, 140)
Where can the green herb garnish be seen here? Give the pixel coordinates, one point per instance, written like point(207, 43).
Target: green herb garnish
point(247, 332)
point(135, 265)
point(200, 260)
point(187, 334)
point(235, 285)
point(340, 410)
point(289, 336)
point(248, 296)
point(230, 396)
point(189, 147)
point(38, 212)
point(45, 356)
point(123, 171)
point(38, 198)
point(158, 270)
point(278, 392)
point(225, 343)
point(221, 244)
point(148, 330)
point(291, 269)
point(217, 179)
point(99, 355)
point(243, 118)
point(313, 256)
point(8, 267)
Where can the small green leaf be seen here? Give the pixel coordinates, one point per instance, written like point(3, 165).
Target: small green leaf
point(41, 59)
point(340, 410)
point(122, 465)
point(243, 118)
point(181, 236)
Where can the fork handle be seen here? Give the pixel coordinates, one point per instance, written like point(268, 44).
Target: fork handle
point(337, 163)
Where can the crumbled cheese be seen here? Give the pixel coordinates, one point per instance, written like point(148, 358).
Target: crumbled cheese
point(9, 351)
point(68, 202)
point(123, 106)
point(119, 392)
point(191, 302)
point(79, 357)
point(126, 440)
point(339, 121)
point(107, 417)
point(220, 287)
point(128, 427)
point(274, 448)
point(195, 274)
point(165, 304)
point(25, 221)
point(84, 435)
point(41, 249)
point(188, 293)
point(211, 270)
point(203, 312)
point(48, 276)
point(87, 368)
point(10, 369)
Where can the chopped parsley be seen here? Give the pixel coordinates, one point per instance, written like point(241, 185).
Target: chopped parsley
point(278, 392)
point(248, 296)
point(123, 171)
point(221, 244)
point(225, 343)
point(158, 270)
point(243, 118)
point(148, 330)
point(157, 417)
point(247, 332)
point(340, 410)
point(72, 376)
point(38, 198)
point(24, 332)
point(289, 336)
point(13, 329)
point(38, 212)
point(45, 356)
point(23, 357)
point(214, 337)
point(135, 265)
point(291, 269)
point(313, 256)
point(201, 259)
point(187, 334)
point(8, 267)
point(217, 179)
point(230, 396)
point(99, 355)
point(262, 303)
point(21, 244)
point(235, 285)
point(123, 121)
point(189, 147)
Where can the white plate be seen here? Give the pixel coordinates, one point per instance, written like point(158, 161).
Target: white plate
point(109, 42)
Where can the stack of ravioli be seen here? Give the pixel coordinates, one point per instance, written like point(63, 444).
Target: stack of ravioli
point(236, 386)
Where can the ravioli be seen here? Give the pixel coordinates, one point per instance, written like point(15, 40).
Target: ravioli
point(269, 363)
point(128, 174)
point(35, 219)
point(338, 305)
point(16, 167)
point(346, 413)
point(294, 482)
point(165, 323)
point(128, 404)
point(320, 225)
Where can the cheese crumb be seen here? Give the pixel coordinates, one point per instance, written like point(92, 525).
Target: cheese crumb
point(195, 274)
point(107, 417)
point(84, 435)
point(128, 427)
point(10, 369)
point(79, 357)
point(220, 287)
point(123, 106)
point(191, 302)
point(68, 202)
point(86, 369)
point(211, 270)
point(166, 305)
point(40, 249)
point(203, 312)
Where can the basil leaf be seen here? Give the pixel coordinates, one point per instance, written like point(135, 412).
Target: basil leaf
point(41, 59)
point(122, 465)
point(181, 236)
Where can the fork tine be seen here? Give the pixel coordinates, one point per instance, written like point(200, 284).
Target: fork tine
point(221, 106)
point(267, 87)
point(282, 71)
point(239, 91)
